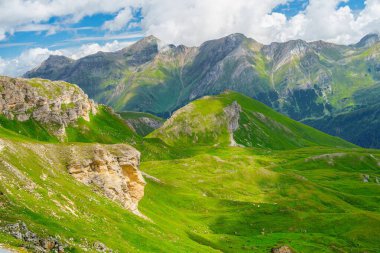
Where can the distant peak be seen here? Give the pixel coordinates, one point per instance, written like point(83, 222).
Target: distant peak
point(237, 35)
point(145, 42)
point(148, 40)
point(368, 40)
point(58, 58)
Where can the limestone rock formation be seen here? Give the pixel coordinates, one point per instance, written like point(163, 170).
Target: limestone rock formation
point(53, 104)
point(282, 249)
point(233, 114)
point(144, 125)
point(114, 170)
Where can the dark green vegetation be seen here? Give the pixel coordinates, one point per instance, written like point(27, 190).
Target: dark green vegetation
point(293, 186)
point(142, 123)
point(312, 81)
point(346, 126)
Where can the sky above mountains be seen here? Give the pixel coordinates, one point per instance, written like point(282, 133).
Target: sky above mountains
point(31, 30)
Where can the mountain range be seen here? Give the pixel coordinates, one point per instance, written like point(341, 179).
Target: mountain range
point(331, 87)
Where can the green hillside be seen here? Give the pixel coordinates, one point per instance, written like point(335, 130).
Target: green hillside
point(207, 199)
point(104, 127)
point(206, 122)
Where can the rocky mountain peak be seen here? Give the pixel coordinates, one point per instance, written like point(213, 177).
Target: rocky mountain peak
point(368, 40)
point(142, 51)
point(58, 59)
point(282, 53)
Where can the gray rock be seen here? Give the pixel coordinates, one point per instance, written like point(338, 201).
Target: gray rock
point(49, 103)
point(20, 231)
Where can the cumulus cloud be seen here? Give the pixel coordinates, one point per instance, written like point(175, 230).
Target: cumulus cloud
point(31, 58)
point(120, 21)
point(15, 14)
point(193, 21)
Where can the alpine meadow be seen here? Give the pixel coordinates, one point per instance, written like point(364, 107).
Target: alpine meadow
point(190, 126)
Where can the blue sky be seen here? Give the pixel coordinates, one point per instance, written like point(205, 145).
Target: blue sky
point(82, 27)
point(86, 30)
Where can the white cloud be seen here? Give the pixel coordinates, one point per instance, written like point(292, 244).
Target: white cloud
point(120, 21)
point(16, 14)
point(31, 58)
point(192, 22)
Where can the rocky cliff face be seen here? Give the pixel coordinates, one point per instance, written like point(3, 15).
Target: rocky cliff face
point(114, 171)
point(53, 104)
point(233, 114)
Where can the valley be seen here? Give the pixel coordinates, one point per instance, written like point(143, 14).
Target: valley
point(225, 173)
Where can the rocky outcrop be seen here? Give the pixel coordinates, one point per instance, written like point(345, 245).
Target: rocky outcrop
point(20, 231)
point(53, 104)
point(282, 249)
point(233, 114)
point(113, 170)
point(144, 125)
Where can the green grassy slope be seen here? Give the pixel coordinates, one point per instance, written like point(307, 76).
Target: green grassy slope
point(204, 122)
point(292, 186)
point(244, 200)
point(104, 127)
point(208, 199)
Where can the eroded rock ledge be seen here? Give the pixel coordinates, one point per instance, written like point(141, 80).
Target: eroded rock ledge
point(54, 104)
point(233, 115)
point(113, 170)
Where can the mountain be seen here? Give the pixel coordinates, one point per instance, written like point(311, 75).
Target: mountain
point(232, 119)
point(308, 81)
point(58, 112)
point(368, 40)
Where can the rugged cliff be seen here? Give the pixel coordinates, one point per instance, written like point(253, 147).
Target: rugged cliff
point(114, 171)
point(55, 105)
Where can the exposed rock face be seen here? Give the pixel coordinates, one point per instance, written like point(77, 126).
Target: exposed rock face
point(282, 249)
point(114, 171)
point(53, 104)
point(144, 125)
point(365, 178)
point(233, 114)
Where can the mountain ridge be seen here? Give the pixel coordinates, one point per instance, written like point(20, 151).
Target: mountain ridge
point(304, 80)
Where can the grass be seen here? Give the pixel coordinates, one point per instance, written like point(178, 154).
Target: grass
point(104, 127)
point(210, 200)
